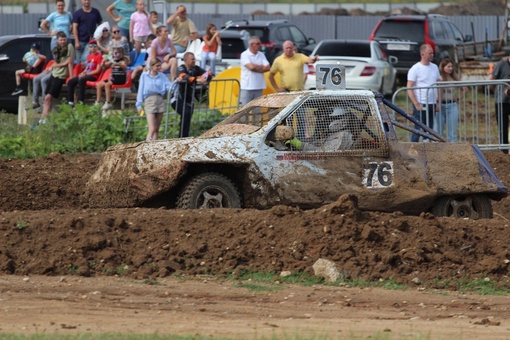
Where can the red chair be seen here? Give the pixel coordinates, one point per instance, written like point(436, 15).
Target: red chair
point(105, 74)
point(31, 76)
point(77, 69)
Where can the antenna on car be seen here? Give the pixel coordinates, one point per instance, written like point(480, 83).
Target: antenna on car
point(228, 24)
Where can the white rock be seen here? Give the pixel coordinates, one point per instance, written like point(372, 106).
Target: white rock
point(326, 269)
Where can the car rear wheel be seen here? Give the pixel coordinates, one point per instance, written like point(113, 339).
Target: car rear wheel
point(209, 191)
point(472, 207)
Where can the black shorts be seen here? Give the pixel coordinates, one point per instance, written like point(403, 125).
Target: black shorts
point(55, 86)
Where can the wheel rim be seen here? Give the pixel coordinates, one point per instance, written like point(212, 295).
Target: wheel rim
point(211, 198)
point(463, 208)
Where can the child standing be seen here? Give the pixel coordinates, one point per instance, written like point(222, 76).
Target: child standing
point(118, 65)
point(35, 63)
point(211, 42)
point(154, 16)
point(139, 28)
point(153, 86)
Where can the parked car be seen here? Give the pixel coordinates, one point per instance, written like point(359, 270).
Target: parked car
point(252, 160)
point(273, 34)
point(12, 49)
point(366, 64)
point(402, 36)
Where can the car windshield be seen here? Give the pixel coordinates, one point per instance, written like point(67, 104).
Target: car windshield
point(344, 49)
point(260, 32)
point(260, 111)
point(400, 29)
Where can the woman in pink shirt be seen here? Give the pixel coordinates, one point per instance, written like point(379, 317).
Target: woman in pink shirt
point(160, 49)
point(139, 27)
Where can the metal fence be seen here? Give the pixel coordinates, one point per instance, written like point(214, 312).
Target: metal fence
point(317, 26)
point(212, 103)
point(479, 111)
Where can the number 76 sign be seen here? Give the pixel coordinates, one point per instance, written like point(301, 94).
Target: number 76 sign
point(330, 76)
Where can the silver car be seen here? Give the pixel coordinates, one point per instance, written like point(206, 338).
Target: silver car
point(366, 65)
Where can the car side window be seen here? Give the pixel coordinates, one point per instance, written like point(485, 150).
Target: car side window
point(283, 34)
point(336, 126)
point(17, 49)
point(297, 36)
point(457, 35)
point(439, 31)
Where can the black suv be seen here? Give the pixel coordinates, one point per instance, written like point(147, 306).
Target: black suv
point(402, 36)
point(273, 34)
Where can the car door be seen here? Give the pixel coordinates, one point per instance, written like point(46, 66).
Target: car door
point(321, 169)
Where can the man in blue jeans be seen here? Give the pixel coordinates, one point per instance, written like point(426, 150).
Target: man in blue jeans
point(420, 78)
point(85, 22)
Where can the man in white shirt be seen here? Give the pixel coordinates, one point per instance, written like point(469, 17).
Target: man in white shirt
point(253, 65)
point(422, 75)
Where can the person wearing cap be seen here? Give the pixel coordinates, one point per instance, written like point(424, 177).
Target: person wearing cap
point(85, 21)
point(91, 72)
point(35, 63)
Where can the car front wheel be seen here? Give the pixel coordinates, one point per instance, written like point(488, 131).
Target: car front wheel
point(472, 207)
point(209, 191)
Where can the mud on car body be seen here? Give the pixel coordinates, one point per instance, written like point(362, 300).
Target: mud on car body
point(257, 159)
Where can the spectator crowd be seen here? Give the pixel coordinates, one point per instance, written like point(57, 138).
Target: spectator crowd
point(139, 50)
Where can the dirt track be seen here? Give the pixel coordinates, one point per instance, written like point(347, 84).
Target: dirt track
point(70, 269)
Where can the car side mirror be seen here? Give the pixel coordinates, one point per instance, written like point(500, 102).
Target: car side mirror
point(311, 41)
point(468, 37)
point(392, 59)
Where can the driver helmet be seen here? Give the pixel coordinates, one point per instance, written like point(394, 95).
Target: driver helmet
point(340, 121)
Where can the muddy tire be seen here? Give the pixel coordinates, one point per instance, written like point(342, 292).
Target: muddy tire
point(208, 191)
point(472, 207)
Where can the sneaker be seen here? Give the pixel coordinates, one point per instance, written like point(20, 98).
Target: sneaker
point(17, 90)
point(96, 103)
point(71, 104)
point(42, 121)
point(35, 105)
point(106, 106)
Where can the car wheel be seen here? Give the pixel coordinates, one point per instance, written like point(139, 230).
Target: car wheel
point(472, 207)
point(208, 191)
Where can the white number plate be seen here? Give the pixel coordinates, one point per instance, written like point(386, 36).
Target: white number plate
point(399, 47)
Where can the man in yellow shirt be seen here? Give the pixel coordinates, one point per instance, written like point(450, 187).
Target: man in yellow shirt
point(290, 66)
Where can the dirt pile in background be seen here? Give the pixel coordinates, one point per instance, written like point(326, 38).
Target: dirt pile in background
point(47, 230)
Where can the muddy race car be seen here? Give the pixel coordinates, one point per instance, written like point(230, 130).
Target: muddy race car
point(303, 149)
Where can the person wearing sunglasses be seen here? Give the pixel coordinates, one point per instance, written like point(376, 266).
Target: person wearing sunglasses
point(117, 40)
point(91, 72)
point(85, 21)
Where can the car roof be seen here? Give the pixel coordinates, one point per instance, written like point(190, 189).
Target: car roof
point(259, 23)
point(414, 17)
point(6, 38)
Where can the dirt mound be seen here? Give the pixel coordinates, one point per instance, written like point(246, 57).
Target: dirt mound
point(47, 230)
